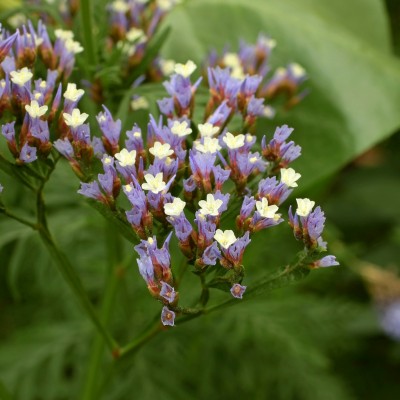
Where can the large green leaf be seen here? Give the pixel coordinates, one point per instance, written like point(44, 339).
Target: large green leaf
point(344, 46)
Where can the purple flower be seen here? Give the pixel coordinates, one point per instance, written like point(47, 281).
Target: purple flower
point(146, 269)
point(167, 317)
point(40, 130)
point(314, 223)
point(237, 290)
point(167, 292)
point(182, 227)
point(91, 190)
point(327, 261)
point(65, 148)
point(28, 154)
point(107, 182)
point(8, 131)
point(234, 253)
point(166, 106)
point(6, 44)
point(111, 129)
point(220, 116)
point(211, 254)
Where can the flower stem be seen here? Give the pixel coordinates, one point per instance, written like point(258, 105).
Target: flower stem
point(115, 271)
point(88, 33)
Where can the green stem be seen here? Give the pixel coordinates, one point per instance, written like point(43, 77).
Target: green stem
point(66, 269)
point(21, 220)
point(88, 33)
point(114, 272)
point(75, 284)
point(288, 274)
point(136, 344)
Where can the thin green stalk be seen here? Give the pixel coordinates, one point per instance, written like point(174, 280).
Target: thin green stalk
point(66, 269)
point(290, 273)
point(75, 284)
point(114, 272)
point(88, 32)
point(21, 220)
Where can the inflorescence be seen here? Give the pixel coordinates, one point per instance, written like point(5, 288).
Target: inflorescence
point(211, 187)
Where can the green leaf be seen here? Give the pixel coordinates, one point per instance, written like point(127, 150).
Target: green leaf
point(344, 46)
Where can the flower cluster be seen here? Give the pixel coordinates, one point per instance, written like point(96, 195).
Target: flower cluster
point(189, 178)
point(253, 60)
point(31, 70)
point(208, 185)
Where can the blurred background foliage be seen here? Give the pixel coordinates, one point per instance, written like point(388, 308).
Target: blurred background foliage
point(319, 339)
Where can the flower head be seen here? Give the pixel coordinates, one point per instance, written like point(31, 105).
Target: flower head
point(21, 76)
point(167, 317)
point(185, 70)
point(181, 129)
point(154, 184)
point(75, 119)
point(175, 208)
point(304, 207)
point(210, 206)
point(225, 238)
point(265, 210)
point(34, 110)
point(126, 158)
point(233, 142)
point(289, 177)
point(160, 150)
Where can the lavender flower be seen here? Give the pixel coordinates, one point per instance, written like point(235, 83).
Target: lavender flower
point(167, 317)
point(238, 290)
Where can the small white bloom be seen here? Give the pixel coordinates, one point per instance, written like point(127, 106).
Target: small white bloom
point(185, 70)
point(64, 34)
point(140, 103)
point(181, 129)
point(167, 5)
point(34, 110)
point(238, 73)
point(160, 150)
point(304, 207)
point(265, 210)
point(268, 42)
point(21, 76)
point(231, 60)
point(225, 238)
point(233, 142)
point(175, 208)
point(128, 188)
point(108, 160)
point(37, 95)
point(210, 206)
point(297, 70)
point(72, 93)
point(208, 129)
point(135, 35)
point(280, 72)
point(73, 46)
point(75, 119)
point(167, 67)
point(126, 158)
point(209, 145)
point(289, 177)
point(120, 6)
point(154, 183)
point(269, 112)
